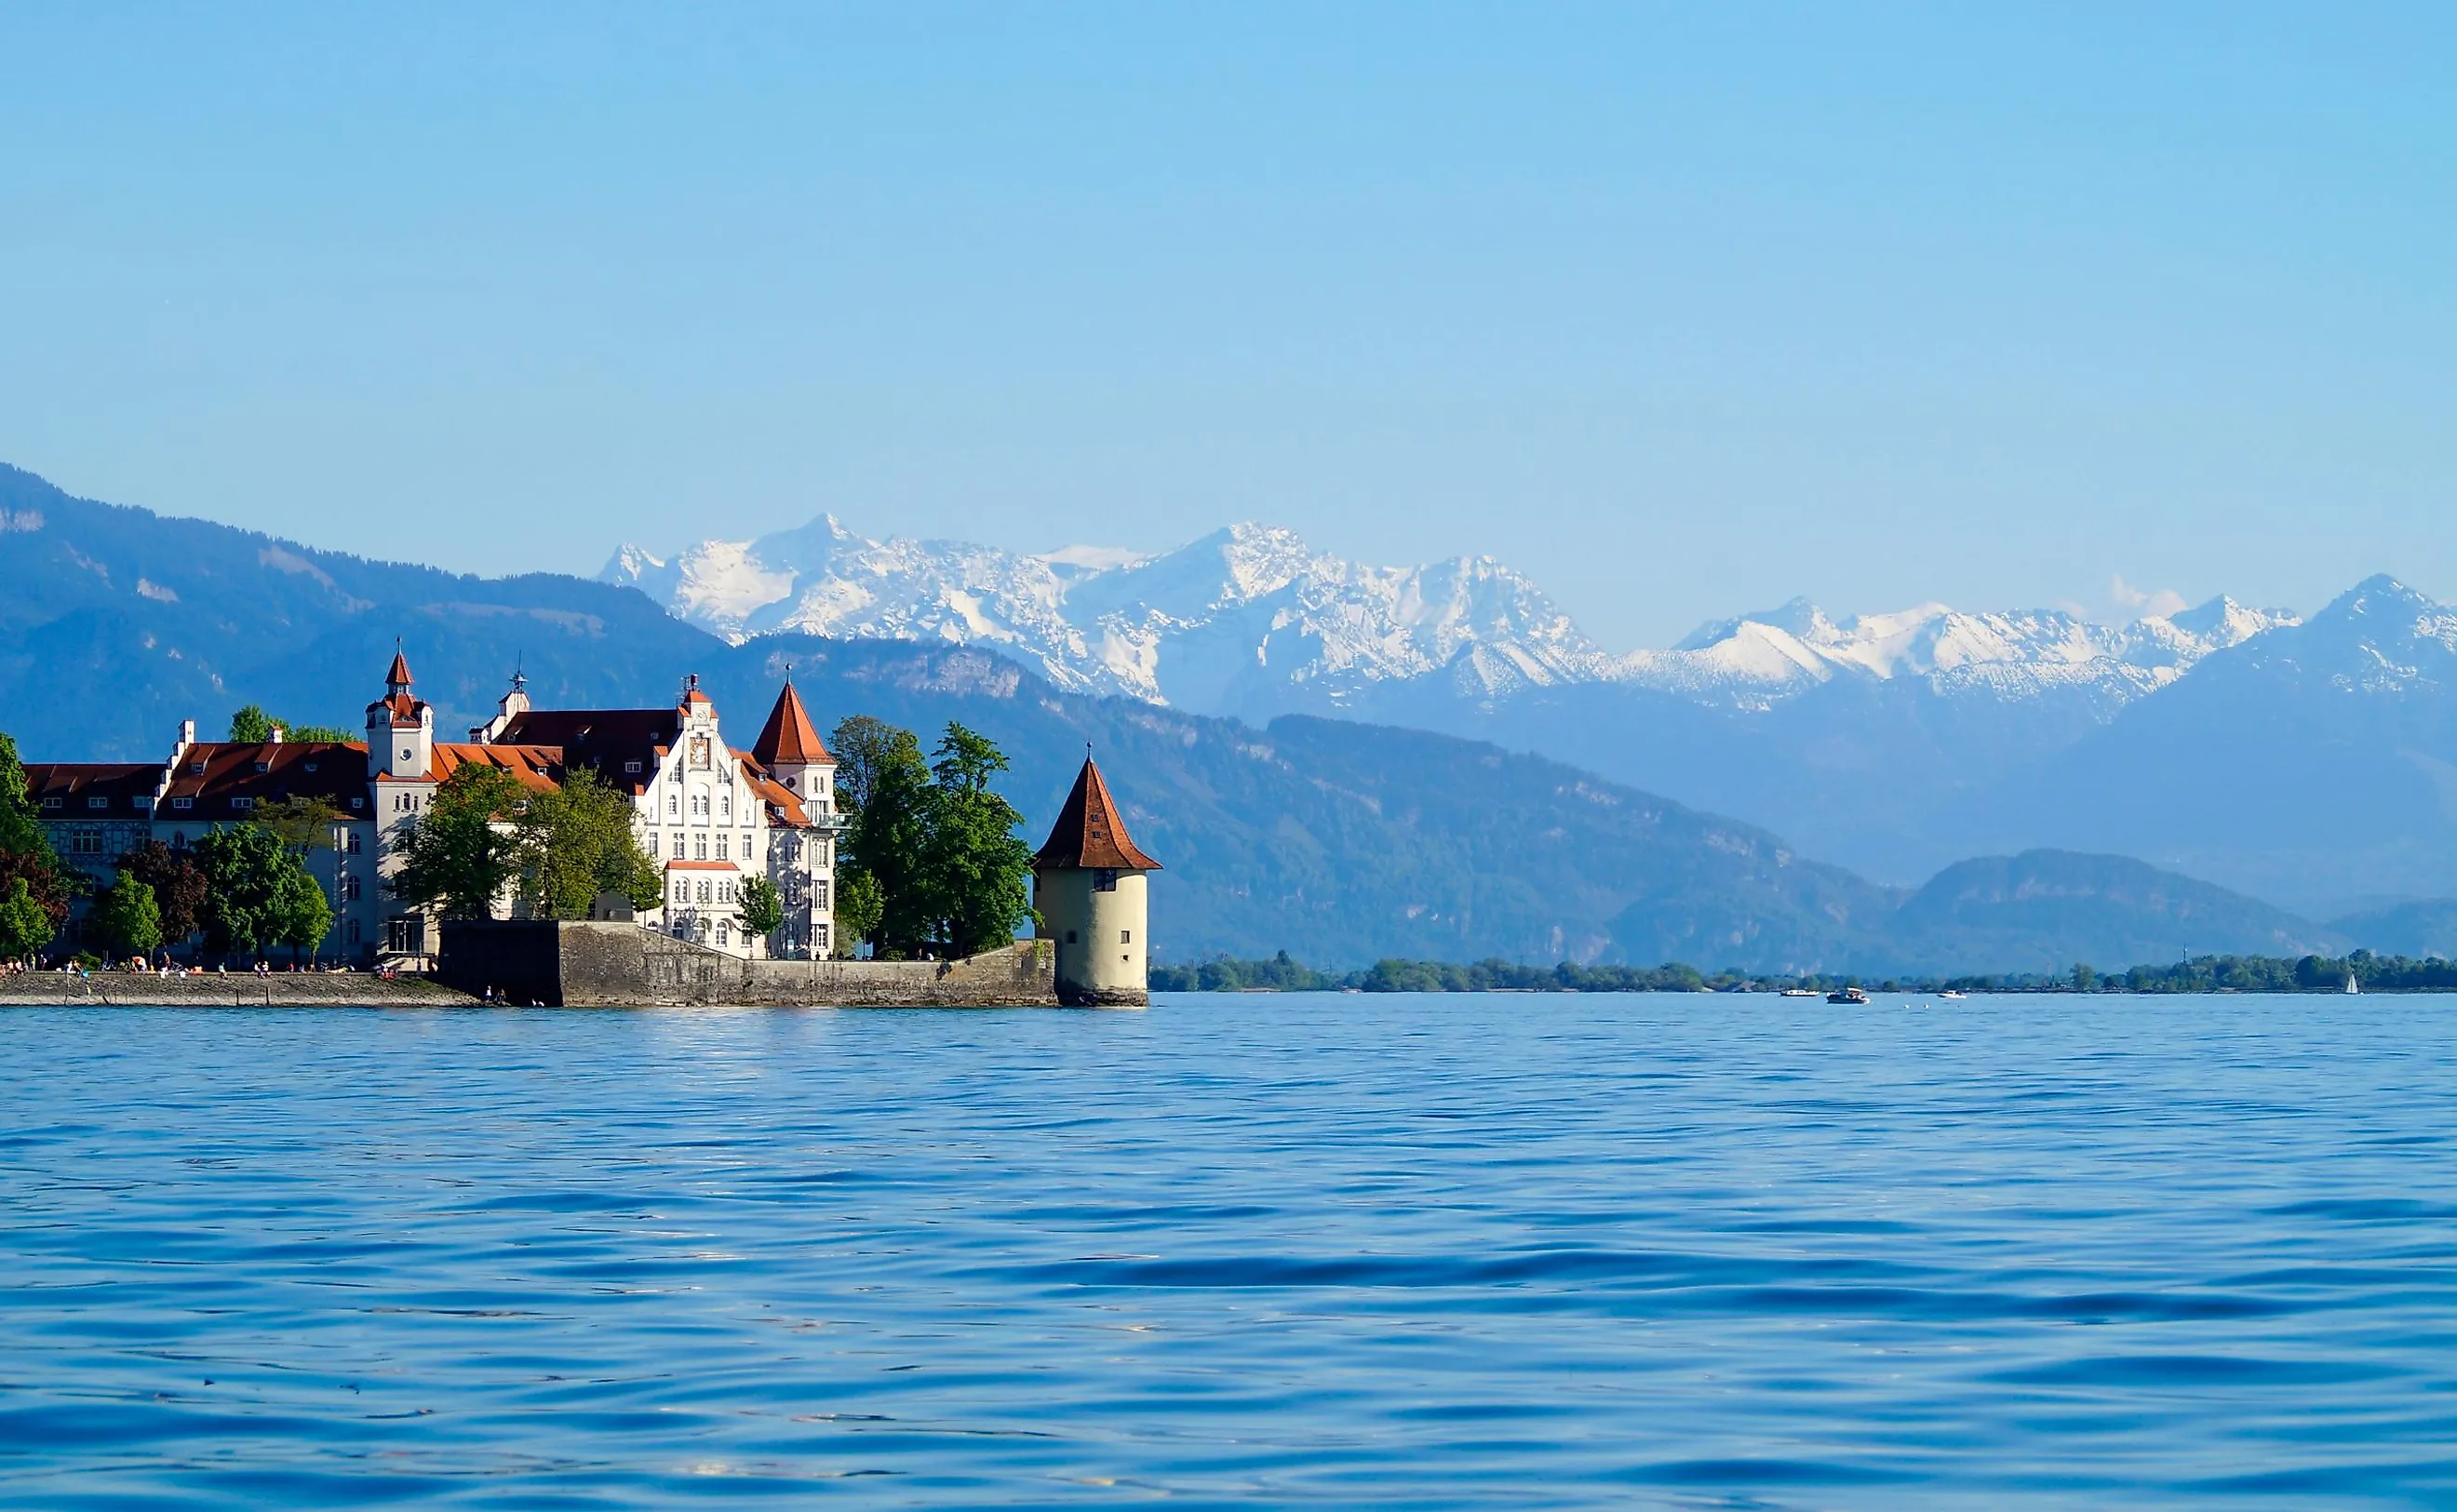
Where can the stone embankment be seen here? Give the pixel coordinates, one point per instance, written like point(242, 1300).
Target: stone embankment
point(237, 990)
point(585, 965)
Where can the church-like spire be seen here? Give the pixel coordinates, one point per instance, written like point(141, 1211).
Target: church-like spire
point(397, 679)
point(1090, 833)
point(788, 738)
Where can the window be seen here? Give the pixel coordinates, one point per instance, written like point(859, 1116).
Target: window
point(789, 784)
point(179, 840)
point(183, 803)
point(1125, 936)
point(141, 801)
point(86, 842)
point(673, 806)
point(699, 847)
point(819, 894)
point(729, 806)
point(678, 844)
point(705, 892)
point(266, 767)
point(632, 767)
point(51, 800)
point(97, 802)
point(243, 803)
point(1105, 880)
point(722, 936)
point(349, 890)
point(353, 932)
point(354, 843)
point(725, 892)
point(820, 936)
point(721, 848)
point(681, 890)
point(357, 803)
point(1070, 936)
point(405, 753)
point(311, 766)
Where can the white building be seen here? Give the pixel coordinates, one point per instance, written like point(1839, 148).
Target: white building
point(712, 815)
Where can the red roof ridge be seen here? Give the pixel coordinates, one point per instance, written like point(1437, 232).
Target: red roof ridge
point(789, 736)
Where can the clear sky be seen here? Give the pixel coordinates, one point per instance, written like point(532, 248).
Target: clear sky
point(1683, 310)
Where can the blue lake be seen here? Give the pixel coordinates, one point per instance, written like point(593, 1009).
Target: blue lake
point(1507, 1250)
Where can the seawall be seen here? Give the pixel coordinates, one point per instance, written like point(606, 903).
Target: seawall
point(237, 990)
point(575, 964)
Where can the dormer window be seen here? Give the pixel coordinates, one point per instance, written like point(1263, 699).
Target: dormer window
point(265, 766)
point(632, 769)
point(97, 802)
point(357, 803)
point(142, 802)
point(52, 801)
point(197, 767)
point(183, 803)
point(243, 803)
point(311, 766)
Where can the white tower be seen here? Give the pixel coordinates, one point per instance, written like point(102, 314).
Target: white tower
point(802, 865)
point(400, 730)
point(1087, 882)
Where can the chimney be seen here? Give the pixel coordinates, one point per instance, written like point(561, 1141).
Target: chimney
point(276, 734)
point(187, 737)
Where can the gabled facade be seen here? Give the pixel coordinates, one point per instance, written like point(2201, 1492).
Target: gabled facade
point(712, 815)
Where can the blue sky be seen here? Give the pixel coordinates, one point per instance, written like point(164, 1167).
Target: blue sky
point(1682, 310)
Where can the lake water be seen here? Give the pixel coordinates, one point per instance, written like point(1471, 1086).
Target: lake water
point(1508, 1250)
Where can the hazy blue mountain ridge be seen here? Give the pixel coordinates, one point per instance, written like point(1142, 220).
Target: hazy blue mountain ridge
point(1338, 840)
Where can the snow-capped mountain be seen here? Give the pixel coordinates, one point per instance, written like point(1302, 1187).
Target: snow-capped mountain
point(1235, 621)
point(1758, 658)
point(1251, 620)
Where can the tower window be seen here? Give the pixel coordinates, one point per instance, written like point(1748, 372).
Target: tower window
point(1070, 936)
point(1105, 880)
point(1125, 936)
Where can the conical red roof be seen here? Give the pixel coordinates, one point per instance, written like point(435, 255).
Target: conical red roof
point(399, 675)
point(1090, 833)
point(789, 736)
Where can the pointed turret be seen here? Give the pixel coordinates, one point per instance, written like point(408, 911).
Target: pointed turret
point(1087, 884)
point(1090, 833)
point(401, 728)
point(790, 738)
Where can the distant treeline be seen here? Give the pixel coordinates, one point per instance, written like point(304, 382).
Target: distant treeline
point(2205, 973)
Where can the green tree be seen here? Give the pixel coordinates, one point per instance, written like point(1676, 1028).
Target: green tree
point(178, 886)
point(127, 917)
point(577, 840)
point(251, 725)
point(2084, 978)
point(884, 786)
point(302, 824)
point(26, 853)
point(459, 853)
point(977, 870)
point(245, 866)
point(857, 908)
point(299, 917)
point(762, 910)
point(25, 927)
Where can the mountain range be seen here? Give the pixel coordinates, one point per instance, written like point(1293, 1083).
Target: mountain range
point(1337, 839)
point(1893, 743)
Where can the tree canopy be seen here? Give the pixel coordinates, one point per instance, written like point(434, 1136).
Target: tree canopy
point(26, 853)
point(931, 864)
point(457, 857)
point(576, 842)
point(246, 867)
point(177, 886)
point(127, 916)
point(251, 725)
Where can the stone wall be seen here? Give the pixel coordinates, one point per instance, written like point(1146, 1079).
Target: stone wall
point(237, 990)
point(584, 964)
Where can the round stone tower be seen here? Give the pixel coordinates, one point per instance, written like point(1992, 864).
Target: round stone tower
point(1087, 882)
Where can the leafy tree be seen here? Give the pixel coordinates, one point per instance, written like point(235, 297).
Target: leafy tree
point(251, 725)
point(178, 886)
point(762, 910)
point(455, 857)
point(127, 917)
point(299, 917)
point(245, 866)
point(26, 853)
point(304, 824)
point(2085, 979)
point(577, 840)
point(884, 785)
point(857, 909)
point(332, 734)
point(25, 926)
point(977, 870)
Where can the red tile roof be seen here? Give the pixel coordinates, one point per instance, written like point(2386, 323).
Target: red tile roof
point(212, 773)
point(788, 738)
point(538, 768)
point(1090, 833)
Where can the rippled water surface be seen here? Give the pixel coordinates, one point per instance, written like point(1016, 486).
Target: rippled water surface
point(1440, 1252)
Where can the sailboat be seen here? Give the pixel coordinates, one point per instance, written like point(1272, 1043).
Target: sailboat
point(2352, 987)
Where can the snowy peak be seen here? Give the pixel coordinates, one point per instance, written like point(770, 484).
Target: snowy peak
point(1757, 659)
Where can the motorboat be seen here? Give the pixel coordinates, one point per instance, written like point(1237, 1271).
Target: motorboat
point(1953, 996)
point(1800, 991)
point(1848, 994)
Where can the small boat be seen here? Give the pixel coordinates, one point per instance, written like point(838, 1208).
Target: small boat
point(1848, 994)
point(1800, 991)
point(1953, 996)
point(2353, 987)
